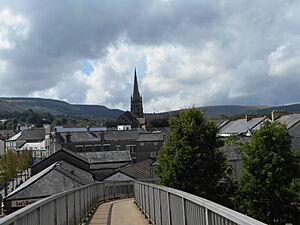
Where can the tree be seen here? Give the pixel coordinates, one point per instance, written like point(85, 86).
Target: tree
point(268, 185)
point(191, 159)
point(8, 167)
point(24, 160)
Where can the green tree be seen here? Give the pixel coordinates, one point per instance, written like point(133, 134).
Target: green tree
point(8, 167)
point(268, 185)
point(191, 159)
point(24, 160)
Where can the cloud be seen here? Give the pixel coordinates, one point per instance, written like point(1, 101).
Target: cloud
point(12, 28)
point(186, 52)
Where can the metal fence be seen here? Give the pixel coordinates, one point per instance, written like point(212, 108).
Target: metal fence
point(167, 206)
point(70, 207)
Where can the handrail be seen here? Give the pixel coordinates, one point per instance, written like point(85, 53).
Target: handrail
point(162, 205)
point(68, 207)
point(168, 206)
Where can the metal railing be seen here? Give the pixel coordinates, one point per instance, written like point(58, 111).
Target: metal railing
point(70, 207)
point(167, 206)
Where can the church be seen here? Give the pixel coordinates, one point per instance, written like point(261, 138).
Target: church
point(135, 117)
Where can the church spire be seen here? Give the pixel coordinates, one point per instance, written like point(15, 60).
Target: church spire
point(136, 99)
point(136, 93)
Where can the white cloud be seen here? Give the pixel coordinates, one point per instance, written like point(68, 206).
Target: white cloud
point(12, 28)
point(186, 52)
point(285, 60)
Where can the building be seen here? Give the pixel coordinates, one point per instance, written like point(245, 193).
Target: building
point(56, 178)
point(61, 155)
point(142, 171)
point(140, 143)
point(134, 117)
point(32, 135)
point(4, 136)
point(241, 126)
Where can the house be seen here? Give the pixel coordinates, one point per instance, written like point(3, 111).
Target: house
point(242, 126)
point(5, 135)
point(103, 164)
point(37, 150)
point(140, 143)
point(292, 122)
point(32, 135)
point(142, 171)
point(61, 155)
point(58, 177)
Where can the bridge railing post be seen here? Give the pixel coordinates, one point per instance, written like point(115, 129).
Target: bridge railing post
point(169, 208)
point(183, 212)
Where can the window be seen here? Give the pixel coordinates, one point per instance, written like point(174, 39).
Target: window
point(118, 147)
point(155, 143)
point(97, 148)
point(152, 154)
point(106, 147)
point(88, 148)
point(79, 148)
point(130, 148)
point(142, 143)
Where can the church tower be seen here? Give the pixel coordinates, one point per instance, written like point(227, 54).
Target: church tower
point(136, 100)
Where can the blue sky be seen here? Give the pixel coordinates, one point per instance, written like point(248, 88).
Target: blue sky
point(186, 52)
point(86, 67)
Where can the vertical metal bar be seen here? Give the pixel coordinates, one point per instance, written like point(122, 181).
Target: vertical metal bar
point(183, 212)
point(160, 207)
point(154, 214)
point(40, 215)
point(67, 209)
point(169, 208)
point(206, 217)
point(55, 212)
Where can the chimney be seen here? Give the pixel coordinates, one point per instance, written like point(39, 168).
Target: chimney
point(278, 113)
point(249, 117)
point(68, 137)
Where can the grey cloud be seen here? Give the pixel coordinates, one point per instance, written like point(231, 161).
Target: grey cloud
point(245, 33)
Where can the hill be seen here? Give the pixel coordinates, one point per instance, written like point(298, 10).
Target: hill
point(222, 110)
point(98, 111)
point(57, 107)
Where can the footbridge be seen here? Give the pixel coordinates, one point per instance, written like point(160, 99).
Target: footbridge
point(126, 203)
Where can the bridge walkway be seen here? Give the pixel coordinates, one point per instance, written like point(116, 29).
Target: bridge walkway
point(118, 212)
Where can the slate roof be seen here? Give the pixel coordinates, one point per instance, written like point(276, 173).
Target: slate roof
point(121, 135)
point(241, 126)
point(140, 170)
point(35, 146)
point(127, 118)
point(58, 177)
point(62, 154)
point(107, 156)
point(6, 134)
point(165, 130)
point(82, 136)
point(290, 119)
point(61, 129)
point(155, 136)
point(29, 134)
point(101, 166)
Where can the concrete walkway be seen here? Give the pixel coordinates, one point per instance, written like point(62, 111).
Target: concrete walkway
point(120, 212)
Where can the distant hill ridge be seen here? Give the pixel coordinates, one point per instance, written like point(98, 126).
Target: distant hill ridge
point(63, 108)
point(57, 107)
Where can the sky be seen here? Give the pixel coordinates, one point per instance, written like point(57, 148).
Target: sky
point(187, 53)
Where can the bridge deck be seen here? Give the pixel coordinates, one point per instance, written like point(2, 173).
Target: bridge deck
point(118, 212)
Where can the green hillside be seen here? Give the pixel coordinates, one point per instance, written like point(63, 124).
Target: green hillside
point(98, 111)
point(57, 107)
